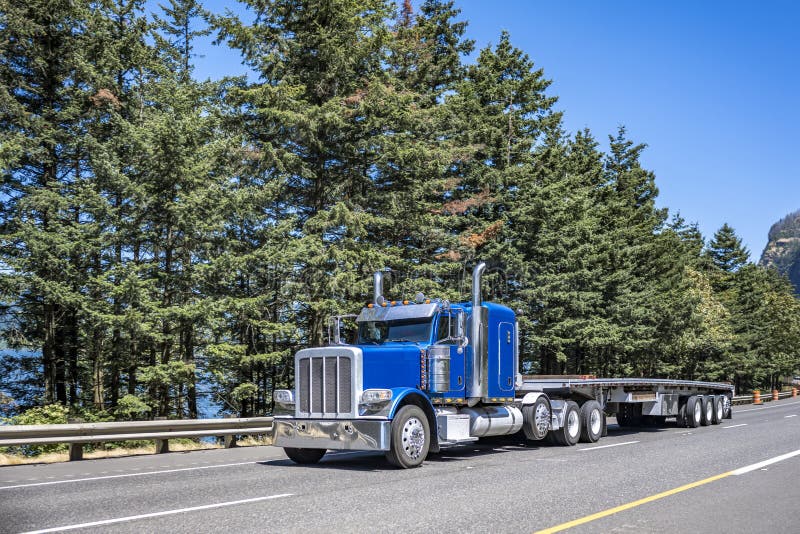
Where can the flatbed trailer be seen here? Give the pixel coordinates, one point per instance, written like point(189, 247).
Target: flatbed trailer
point(633, 401)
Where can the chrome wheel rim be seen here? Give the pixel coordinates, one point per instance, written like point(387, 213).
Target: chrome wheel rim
point(720, 410)
point(542, 418)
point(709, 411)
point(573, 423)
point(413, 438)
point(595, 422)
point(698, 411)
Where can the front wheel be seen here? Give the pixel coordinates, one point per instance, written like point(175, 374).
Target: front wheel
point(411, 438)
point(304, 456)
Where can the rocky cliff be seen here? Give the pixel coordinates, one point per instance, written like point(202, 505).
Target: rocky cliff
point(783, 249)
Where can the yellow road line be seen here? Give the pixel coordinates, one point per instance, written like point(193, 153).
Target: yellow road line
point(628, 506)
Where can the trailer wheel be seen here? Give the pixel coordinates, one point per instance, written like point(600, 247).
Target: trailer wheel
point(536, 419)
point(719, 409)
point(694, 411)
point(726, 400)
point(570, 433)
point(591, 422)
point(304, 456)
point(708, 410)
point(411, 438)
point(681, 417)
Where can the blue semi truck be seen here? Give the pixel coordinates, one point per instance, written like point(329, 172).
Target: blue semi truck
point(426, 374)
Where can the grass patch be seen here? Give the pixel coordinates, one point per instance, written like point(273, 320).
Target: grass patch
point(99, 451)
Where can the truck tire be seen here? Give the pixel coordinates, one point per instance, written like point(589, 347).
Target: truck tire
point(694, 411)
point(726, 400)
point(680, 417)
point(708, 410)
point(411, 438)
point(629, 414)
point(719, 409)
point(591, 422)
point(570, 433)
point(536, 419)
point(304, 456)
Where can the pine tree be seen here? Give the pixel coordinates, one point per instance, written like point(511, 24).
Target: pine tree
point(726, 250)
point(46, 85)
point(501, 114)
point(309, 119)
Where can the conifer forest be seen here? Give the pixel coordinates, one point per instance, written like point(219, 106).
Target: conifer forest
point(167, 242)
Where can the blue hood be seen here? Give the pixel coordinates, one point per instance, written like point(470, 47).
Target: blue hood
point(392, 365)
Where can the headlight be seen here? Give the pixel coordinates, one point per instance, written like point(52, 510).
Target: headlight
point(376, 396)
point(284, 396)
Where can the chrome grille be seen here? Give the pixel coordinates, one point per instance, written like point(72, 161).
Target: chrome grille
point(325, 384)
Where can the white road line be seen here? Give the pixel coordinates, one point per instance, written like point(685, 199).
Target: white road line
point(788, 416)
point(157, 514)
point(735, 426)
point(607, 446)
point(123, 476)
point(766, 407)
point(759, 465)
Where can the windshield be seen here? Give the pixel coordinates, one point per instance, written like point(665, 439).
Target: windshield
point(376, 332)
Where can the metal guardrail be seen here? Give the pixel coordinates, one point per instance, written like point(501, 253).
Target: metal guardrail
point(77, 434)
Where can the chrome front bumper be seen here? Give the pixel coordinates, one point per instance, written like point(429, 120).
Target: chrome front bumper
point(359, 435)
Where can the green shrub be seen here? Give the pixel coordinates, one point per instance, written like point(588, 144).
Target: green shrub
point(51, 414)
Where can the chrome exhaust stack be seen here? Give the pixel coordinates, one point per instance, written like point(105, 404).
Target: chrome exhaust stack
point(478, 364)
point(477, 272)
point(377, 280)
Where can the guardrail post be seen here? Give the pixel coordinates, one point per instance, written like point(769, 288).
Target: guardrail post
point(229, 439)
point(756, 396)
point(775, 394)
point(162, 446)
point(75, 452)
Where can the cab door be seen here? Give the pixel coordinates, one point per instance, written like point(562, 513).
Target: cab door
point(447, 328)
point(506, 357)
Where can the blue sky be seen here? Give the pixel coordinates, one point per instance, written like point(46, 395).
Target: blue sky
point(712, 88)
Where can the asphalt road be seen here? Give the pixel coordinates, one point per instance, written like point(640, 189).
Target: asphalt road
point(741, 476)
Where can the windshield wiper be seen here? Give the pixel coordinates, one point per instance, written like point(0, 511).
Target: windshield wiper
point(399, 339)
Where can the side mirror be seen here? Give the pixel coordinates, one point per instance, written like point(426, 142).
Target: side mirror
point(461, 329)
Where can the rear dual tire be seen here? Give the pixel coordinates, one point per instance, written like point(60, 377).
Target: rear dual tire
point(570, 433)
point(592, 422)
point(694, 412)
point(536, 419)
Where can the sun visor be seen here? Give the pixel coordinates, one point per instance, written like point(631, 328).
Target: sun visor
point(397, 312)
